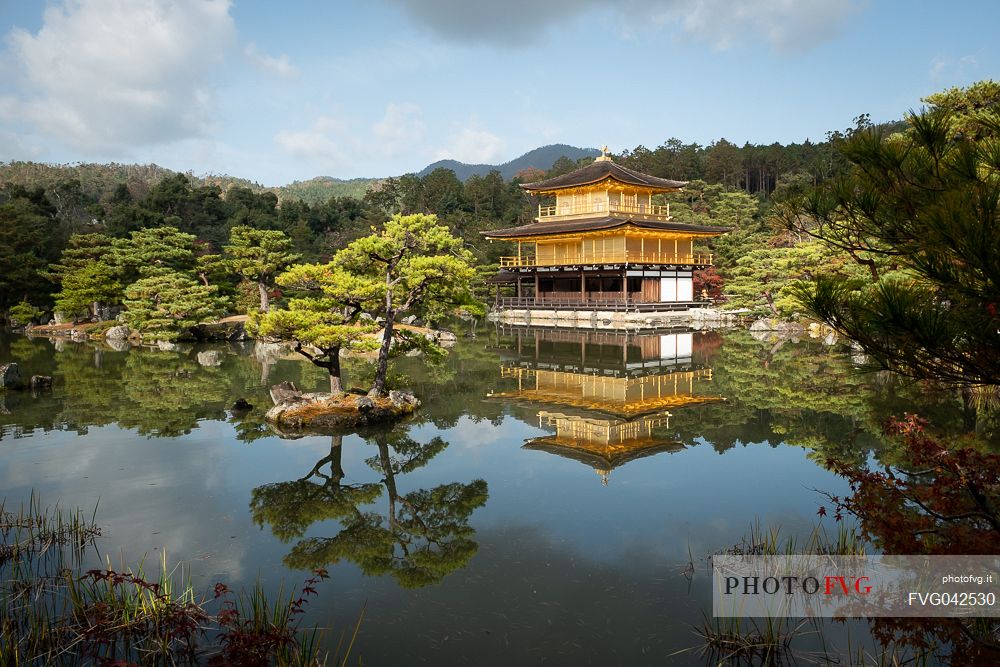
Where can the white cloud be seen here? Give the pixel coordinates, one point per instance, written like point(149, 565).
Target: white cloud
point(473, 146)
point(280, 66)
point(401, 128)
point(786, 24)
point(112, 74)
point(949, 70)
point(326, 143)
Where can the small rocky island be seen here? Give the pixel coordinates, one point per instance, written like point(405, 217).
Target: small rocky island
point(330, 413)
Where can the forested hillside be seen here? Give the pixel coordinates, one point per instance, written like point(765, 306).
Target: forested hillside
point(98, 179)
point(758, 264)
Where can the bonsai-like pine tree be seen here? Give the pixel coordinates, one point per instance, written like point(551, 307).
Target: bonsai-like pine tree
point(85, 277)
point(81, 251)
point(23, 314)
point(928, 202)
point(84, 289)
point(166, 304)
point(155, 251)
point(413, 265)
point(258, 255)
point(323, 319)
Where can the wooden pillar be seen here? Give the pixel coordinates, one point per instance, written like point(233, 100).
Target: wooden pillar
point(583, 287)
point(624, 286)
point(519, 285)
point(519, 253)
point(536, 288)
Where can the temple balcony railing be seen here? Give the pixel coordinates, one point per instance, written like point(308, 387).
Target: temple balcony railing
point(609, 257)
point(573, 301)
point(656, 212)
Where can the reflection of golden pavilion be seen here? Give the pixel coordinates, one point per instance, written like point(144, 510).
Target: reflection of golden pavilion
point(602, 444)
point(623, 396)
point(616, 388)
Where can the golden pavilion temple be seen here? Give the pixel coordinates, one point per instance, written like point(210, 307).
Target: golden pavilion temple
point(608, 395)
point(603, 245)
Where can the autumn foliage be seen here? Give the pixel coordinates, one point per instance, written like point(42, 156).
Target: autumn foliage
point(942, 501)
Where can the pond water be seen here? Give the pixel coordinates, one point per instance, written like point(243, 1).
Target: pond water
point(544, 506)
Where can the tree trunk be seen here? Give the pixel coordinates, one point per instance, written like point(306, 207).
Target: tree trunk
point(382, 368)
point(336, 458)
point(336, 383)
point(390, 480)
point(770, 302)
point(265, 304)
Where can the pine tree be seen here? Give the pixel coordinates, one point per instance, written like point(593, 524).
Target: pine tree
point(80, 251)
point(927, 201)
point(157, 251)
point(86, 288)
point(165, 305)
point(413, 265)
point(322, 320)
point(258, 255)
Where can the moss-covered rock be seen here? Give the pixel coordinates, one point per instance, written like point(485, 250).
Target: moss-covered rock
point(331, 413)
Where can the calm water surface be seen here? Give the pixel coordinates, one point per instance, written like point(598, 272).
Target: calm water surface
point(543, 507)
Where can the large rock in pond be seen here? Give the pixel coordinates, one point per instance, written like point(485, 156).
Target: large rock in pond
point(229, 329)
point(41, 382)
point(331, 413)
point(10, 376)
point(119, 332)
point(285, 392)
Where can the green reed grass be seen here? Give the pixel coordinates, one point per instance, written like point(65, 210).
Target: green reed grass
point(52, 612)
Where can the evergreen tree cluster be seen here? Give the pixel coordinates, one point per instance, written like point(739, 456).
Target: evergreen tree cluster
point(55, 221)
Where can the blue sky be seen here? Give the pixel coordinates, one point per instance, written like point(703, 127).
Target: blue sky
point(277, 92)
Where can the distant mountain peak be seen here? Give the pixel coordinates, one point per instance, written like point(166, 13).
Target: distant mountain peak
point(540, 158)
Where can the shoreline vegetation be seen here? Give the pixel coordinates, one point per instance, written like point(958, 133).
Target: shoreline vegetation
point(54, 610)
point(57, 610)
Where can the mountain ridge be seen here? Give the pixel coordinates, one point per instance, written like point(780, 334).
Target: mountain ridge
point(98, 179)
point(540, 158)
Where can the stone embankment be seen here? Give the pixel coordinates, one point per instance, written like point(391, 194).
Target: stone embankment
point(695, 318)
point(120, 336)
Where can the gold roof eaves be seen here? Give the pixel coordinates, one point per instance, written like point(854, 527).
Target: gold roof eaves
point(607, 177)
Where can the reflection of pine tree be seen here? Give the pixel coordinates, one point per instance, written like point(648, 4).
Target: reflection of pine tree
point(93, 393)
point(291, 507)
point(423, 536)
point(168, 392)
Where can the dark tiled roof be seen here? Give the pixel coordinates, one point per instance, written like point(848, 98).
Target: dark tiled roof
point(598, 224)
point(598, 171)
